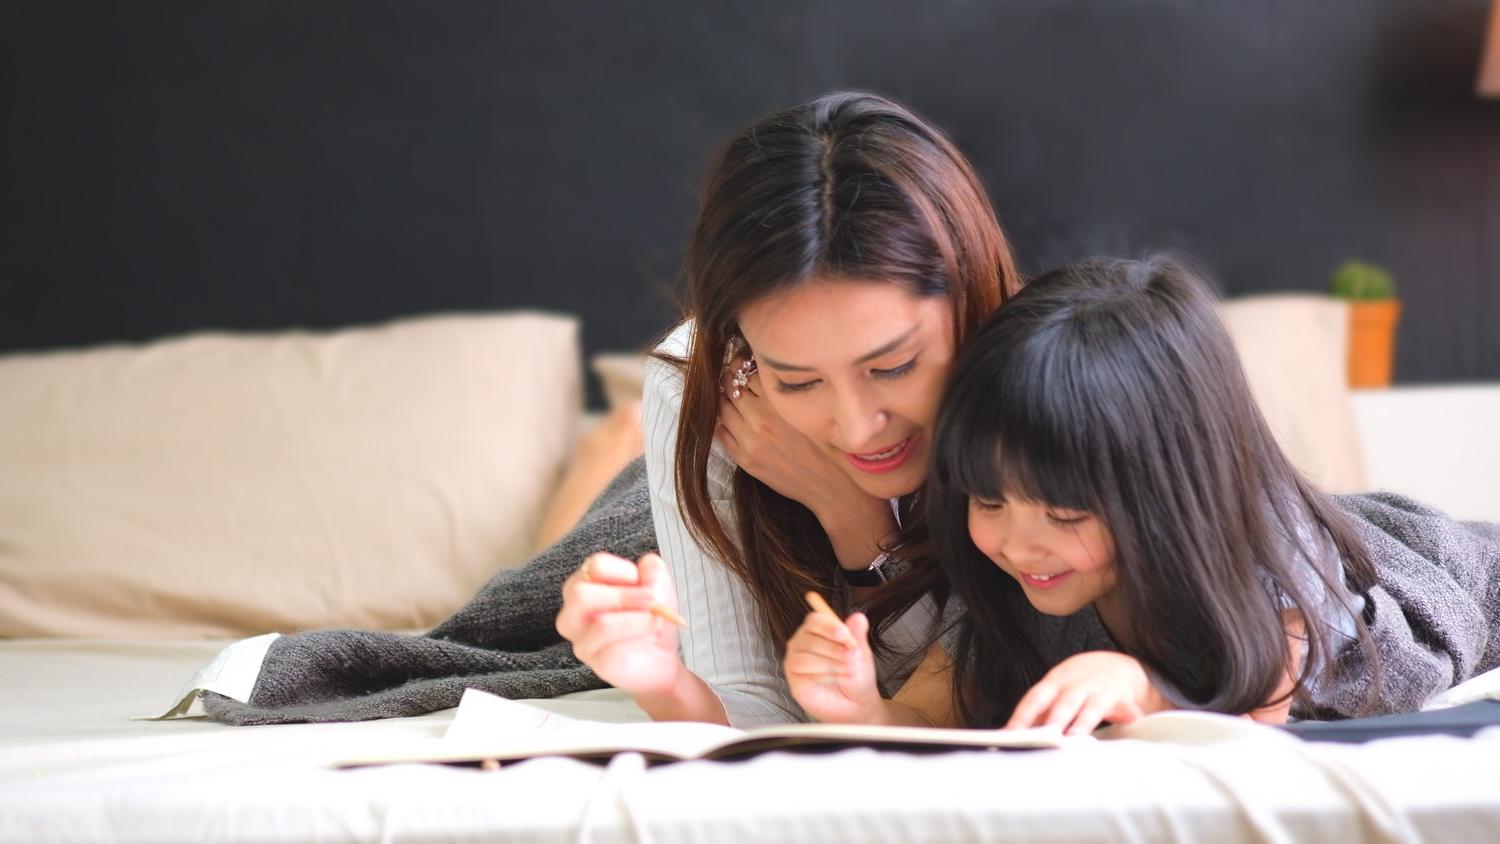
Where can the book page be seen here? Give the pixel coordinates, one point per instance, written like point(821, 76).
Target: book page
point(487, 726)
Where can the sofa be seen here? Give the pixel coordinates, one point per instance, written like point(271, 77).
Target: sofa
point(161, 500)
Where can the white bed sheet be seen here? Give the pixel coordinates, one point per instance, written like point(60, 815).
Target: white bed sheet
point(74, 768)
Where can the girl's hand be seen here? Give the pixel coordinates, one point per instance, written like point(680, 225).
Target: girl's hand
point(779, 456)
point(606, 614)
point(831, 671)
point(1083, 690)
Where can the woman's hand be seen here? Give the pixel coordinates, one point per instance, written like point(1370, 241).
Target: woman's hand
point(762, 443)
point(607, 615)
point(831, 671)
point(1084, 690)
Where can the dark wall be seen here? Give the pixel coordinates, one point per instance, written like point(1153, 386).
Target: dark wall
point(173, 166)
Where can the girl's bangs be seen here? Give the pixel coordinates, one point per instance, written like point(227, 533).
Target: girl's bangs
point(1018, 429)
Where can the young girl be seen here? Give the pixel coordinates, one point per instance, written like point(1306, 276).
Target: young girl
point(1099, 456)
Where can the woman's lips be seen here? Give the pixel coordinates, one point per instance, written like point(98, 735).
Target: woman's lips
point(885, 460)
point(1045, 581)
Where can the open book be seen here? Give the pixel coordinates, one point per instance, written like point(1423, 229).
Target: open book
point(488, 728)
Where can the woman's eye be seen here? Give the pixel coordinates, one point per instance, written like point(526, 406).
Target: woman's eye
point(784, 387)
point(895, 372)
point(1067, 518)
point(981, 504)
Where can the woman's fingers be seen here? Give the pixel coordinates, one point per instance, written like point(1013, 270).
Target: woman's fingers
point(611, 628)
point(607, 568)
point(595, 598)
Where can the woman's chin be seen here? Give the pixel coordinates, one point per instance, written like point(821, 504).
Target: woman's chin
point(896, 484)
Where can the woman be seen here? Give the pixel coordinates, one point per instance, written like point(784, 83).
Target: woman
point(844, 251)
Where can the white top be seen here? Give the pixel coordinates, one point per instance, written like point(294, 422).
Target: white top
point(726, 642)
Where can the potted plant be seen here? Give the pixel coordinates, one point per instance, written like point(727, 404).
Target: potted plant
point(1373, 313)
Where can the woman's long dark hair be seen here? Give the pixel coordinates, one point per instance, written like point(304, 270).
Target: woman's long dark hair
point(1112, 387)
point(851, 186)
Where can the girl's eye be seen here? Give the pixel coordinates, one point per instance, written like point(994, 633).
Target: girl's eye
point(895, 372)
point(784, 387)
point(988, 506)
point(1067, 518)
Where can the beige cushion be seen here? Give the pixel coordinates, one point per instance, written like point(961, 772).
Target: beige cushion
point(623, 376)
point(223, 485)
point(1295, 348)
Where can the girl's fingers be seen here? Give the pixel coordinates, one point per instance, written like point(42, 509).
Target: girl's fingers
point(858, 626)
point(815, 664)
point(827, 627)
point(1065, 709)
point(1124, 712)
point(1089, 717)
point(1034, 704)
point(818, 645)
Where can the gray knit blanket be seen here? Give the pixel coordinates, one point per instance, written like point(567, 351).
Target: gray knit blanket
point(1434, 612)
point(503, 641)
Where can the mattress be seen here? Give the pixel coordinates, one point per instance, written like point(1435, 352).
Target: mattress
point(74, 767)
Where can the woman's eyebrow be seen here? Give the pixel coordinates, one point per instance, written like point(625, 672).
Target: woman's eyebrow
point(885, 349)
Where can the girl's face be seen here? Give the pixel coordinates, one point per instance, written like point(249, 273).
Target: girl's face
point(1063, 559)
point(858, 368)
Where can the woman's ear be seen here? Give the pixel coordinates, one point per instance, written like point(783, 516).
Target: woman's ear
point(735, 347)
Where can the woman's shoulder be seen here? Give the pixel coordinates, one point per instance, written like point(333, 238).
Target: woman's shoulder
point(662, 409)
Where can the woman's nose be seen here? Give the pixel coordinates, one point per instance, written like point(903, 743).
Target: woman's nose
point(859, 422)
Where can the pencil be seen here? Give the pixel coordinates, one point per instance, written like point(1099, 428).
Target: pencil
point(666, 613)
point(816, 601)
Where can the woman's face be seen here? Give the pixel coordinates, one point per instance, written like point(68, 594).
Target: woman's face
point(857, 367)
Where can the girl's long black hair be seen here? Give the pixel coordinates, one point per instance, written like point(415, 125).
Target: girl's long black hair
point(1111, 387)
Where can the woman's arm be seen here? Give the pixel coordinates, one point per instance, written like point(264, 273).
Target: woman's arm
point(730, 669)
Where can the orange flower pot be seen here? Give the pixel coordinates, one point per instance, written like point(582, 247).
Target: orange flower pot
point(1372, 342)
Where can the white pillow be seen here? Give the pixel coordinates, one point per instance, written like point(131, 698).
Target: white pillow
point(224, 485)
point(1295, 349)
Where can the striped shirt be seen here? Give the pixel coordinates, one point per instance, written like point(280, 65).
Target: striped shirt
point(726, 642)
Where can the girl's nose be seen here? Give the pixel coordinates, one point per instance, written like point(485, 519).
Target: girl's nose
point(1016, 542)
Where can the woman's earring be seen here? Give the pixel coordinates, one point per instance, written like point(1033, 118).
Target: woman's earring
point(742, 376)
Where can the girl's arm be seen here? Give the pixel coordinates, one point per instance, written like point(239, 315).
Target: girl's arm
point(1084, 690)
point(831, 672)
